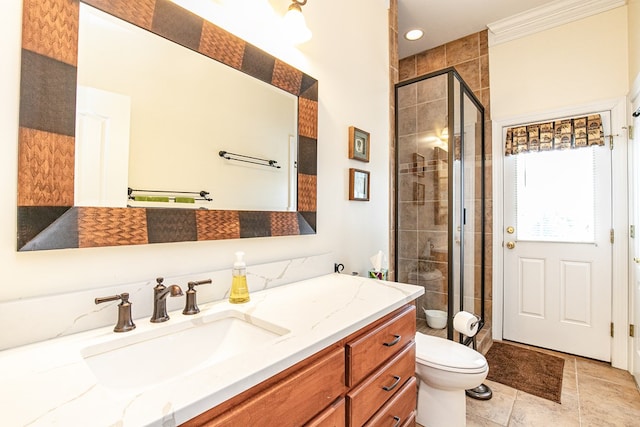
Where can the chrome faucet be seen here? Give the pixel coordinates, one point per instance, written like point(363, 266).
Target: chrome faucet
point(124, 312)
point(160, 293)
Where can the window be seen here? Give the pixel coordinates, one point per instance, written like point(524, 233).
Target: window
point(555, 196)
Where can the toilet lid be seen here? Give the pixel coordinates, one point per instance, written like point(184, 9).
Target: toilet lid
point(448, 355)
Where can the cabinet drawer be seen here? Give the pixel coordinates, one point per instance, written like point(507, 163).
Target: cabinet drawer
point(370, 350)
point(293, 401)
point(398, 410)
point(334, 416)
point(368, 397)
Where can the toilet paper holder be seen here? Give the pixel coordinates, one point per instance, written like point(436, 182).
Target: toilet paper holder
point(476, 323)
point(482, 392)
point(478, 319)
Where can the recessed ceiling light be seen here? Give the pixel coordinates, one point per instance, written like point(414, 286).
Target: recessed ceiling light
point(414, 34)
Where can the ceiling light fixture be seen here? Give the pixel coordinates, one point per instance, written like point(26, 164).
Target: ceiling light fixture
point(295, 24)
point(414, 34)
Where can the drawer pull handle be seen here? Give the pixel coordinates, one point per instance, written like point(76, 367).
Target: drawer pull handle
point(396, 340)
point(397, 420)
point(392, 386)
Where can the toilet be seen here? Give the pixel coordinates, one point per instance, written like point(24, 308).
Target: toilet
point(445, 369)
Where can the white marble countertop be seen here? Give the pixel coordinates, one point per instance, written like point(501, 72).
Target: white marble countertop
point(49, 383)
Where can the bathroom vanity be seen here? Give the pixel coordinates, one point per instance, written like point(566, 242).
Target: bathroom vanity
point(332, 350)
point(368, 375)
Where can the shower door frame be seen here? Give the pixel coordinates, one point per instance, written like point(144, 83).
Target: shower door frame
point(464, 90)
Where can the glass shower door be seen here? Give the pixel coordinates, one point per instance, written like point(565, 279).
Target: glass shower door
point(439, 219)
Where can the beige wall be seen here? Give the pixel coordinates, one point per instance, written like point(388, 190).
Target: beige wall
point(573, 64)
point(351, 64)
point(634, 41)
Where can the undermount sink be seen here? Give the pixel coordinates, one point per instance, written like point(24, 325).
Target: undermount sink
point(138, 361)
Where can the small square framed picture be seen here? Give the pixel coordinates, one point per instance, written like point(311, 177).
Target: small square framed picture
point(358, 184)
point(418, 193)
point(418, 164)
point(358, 144)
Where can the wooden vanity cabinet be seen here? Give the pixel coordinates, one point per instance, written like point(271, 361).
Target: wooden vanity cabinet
point(365, 379)
point(380, 372)
point(291, 398)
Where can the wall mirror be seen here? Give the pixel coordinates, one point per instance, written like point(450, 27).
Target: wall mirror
point(154, 115)
point(50, 213)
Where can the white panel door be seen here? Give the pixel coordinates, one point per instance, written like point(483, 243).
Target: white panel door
point(557, 254)
point(102, 148)
point(635, 246)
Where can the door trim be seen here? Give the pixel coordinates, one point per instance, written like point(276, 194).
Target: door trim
point(634, 103)
point(620, 261)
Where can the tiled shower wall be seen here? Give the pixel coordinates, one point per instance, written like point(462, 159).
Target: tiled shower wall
point(394, 76)
point(470, 56)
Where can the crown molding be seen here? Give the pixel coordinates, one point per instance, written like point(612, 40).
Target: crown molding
point(547, 16)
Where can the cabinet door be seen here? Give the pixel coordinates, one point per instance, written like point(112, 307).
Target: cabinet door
point(293, 401)
point(370, 350)
point(368, 397)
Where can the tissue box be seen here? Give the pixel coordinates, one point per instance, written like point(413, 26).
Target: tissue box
point(380, 275)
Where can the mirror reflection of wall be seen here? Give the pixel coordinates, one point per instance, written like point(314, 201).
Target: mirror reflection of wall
point(184, 109)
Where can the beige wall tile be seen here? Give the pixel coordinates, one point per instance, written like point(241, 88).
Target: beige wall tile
point(407, 68)
point(462, 50)
point(484, 71)
point(483, 40)
point(470, 73)
point(431, 60)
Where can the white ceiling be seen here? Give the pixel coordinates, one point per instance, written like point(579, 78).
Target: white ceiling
point(447, 20)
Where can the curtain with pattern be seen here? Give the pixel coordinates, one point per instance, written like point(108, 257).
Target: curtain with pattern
point(557, 135)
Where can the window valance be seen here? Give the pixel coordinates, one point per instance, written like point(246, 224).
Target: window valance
point(557, 135)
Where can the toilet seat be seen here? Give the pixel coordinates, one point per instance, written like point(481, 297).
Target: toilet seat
point(447, 355)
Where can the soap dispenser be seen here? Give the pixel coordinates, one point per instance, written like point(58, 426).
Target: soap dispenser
point(239, 289)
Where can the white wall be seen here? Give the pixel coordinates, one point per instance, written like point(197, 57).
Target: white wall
point(351, 63)
point(573, 64)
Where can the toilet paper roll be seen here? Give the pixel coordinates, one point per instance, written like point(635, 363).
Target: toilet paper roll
point(465, 323)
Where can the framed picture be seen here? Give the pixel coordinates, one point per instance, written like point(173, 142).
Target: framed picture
point(358, 184)
point(441, 187)
point(418, 193)
point(358, 144)
point(418, 164)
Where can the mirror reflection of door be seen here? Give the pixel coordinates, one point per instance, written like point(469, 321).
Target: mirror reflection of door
point(102, 148)
point(557, 249)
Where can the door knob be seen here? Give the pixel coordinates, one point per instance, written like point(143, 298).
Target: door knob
point(510, 230)
point(511, 245)
point(636, 260)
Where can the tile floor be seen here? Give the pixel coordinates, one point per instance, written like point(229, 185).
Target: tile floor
point(593, 394)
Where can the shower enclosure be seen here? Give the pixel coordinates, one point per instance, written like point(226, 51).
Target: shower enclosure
point(440, 217)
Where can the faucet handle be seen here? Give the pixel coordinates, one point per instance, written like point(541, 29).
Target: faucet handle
point(125, 323)
point(191, 306)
